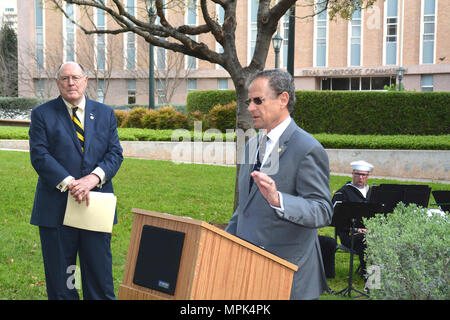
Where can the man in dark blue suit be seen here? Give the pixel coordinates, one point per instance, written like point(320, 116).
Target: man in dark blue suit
point(74, 148)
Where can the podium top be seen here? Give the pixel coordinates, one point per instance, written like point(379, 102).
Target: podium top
point(222, 233)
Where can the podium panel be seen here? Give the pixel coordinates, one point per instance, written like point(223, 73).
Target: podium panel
point(213, 264)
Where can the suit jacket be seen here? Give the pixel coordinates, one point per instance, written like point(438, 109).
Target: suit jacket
point(302, 177)
point(55, 153)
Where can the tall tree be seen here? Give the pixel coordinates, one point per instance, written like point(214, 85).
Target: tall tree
point(179, 38)
point(8, 62)
point(182, 37)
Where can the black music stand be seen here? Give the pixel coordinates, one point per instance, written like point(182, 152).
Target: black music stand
point(391, 194)
point(442, 198)
point(348, 215)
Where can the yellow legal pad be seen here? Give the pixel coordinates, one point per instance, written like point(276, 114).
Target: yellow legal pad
point(98, 216)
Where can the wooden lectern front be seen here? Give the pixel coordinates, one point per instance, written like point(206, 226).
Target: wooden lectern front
point(172, 257)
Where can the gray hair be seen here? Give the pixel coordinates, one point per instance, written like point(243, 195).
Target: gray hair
point(71, 62)
point(279, 81)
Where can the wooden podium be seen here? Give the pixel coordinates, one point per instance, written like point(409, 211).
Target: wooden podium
point(213, 264)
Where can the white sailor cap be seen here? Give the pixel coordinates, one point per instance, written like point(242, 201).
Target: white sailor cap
point(361, 165)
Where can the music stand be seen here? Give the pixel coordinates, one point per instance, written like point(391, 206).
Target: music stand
point(391, 194)
point(348, 215)
point(442, 198)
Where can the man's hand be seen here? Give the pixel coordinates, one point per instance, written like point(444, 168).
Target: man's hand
point(79, 189)
point(267, 187)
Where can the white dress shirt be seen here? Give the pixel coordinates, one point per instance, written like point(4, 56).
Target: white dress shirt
point(273, 137)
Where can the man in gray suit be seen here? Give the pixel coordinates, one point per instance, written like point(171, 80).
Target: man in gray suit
point(284, 193)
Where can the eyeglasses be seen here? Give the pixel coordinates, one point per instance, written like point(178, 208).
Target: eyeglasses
point(256, 100)
point(360, 174)
point(75, 79)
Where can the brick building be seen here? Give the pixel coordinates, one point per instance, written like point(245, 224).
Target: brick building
point(361, 54)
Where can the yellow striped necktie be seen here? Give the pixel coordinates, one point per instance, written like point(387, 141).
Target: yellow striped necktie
point(78, 127)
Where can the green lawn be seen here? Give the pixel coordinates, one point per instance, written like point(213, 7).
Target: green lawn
point(200, 191)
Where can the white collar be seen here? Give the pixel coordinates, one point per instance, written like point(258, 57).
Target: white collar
point(81, 105)
point(276, 132)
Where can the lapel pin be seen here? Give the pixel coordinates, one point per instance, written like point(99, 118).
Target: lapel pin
point(91, 116)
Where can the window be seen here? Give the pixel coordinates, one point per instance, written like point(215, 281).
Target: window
point(101, 90)
point(191, 85)
point(39, 33)
point(222, 84)
point(131, 91)
point(220, 12)
point(101, 40)
point(39, 88)
point(254, 5)
point(285, 36)
point(160, 52)
point(391, 29)
point(130, 40)
point(320, 42)
point(356, 83)
point(191, 19)
point(161, 88)
point(426, 82)
point(69, 38)
point(355, 39)
point(428, 30)
point(160, 58)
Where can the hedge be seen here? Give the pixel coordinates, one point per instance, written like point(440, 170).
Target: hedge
point(343, 112)
point(205, 100)
point(19, 103)
point(354, 112)
point(332, 141)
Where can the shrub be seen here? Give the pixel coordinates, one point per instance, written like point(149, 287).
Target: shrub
point(134, 119)
point(412, 250)
point(121, 117)
point(223, 117)
point(198, 116)
point(164, 118)
point(19, 103)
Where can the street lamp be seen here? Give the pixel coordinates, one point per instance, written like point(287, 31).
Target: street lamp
point(151, 68)
point(400, 73)
point(277, 40)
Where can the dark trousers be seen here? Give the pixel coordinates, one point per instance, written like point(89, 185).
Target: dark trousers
point(60, 247)
point(328, 249)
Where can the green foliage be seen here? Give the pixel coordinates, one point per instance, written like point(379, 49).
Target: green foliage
point(346, 112)
point(405, 142)
point(205, 100)
point(331, 141)
point(8, 61)
point(223, 117)
point(412, 250)
point(165, 118)
point(121, 116)
point(354, 112)
point(135, 116)
point(197, 115)
point(19, 103)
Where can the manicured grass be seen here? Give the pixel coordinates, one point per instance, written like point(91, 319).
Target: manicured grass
point(199, 191)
